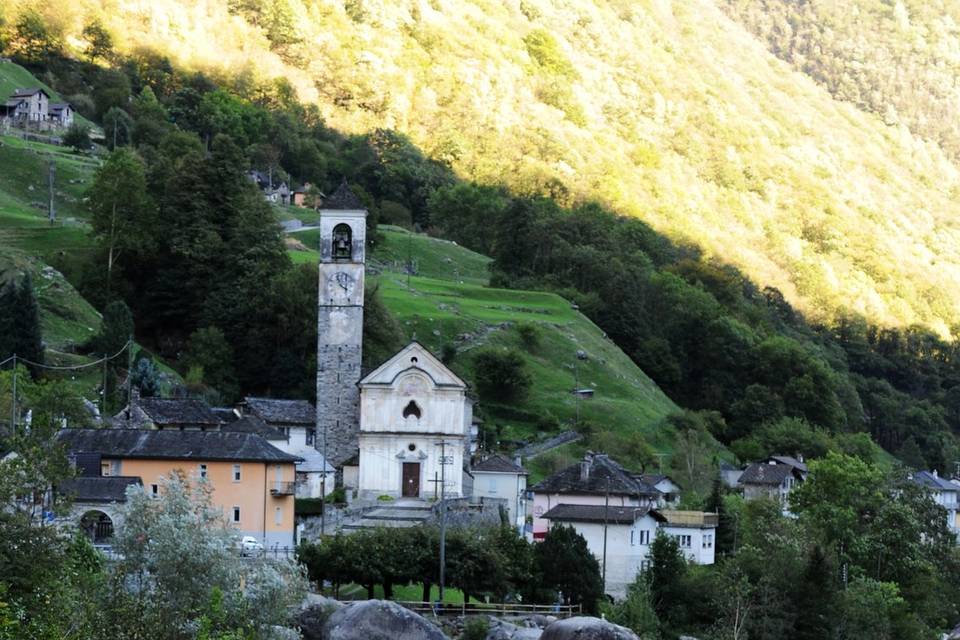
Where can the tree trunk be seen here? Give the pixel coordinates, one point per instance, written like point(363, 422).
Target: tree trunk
point(426, 590)
point(388, 591)
point(370, 592)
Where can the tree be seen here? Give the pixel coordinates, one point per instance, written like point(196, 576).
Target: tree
point(33, 40)
point(122, 217)
point(179, 553)
point(20, 331)
point(145, 377)
point(115, 330)
point(208, 350)
point(636, 610)
point(815, 598)
point(727, 526)
point(564, 563)
point(501, 376)
point(99, 41)
point(117, 127)
point(77, 137)
point(668, 566)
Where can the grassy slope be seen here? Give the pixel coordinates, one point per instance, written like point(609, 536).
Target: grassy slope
point(688, 122)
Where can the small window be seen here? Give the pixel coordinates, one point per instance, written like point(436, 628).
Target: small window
point(105, 469)
point(236, 473)
point(311, 436)
point(278, 515)
point(411, 447)
point(236, 514)
point(633, 542)
point(411, 410)
point(155, 490)
point(203, 471)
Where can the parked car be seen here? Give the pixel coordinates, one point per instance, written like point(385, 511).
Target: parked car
point(250, 546)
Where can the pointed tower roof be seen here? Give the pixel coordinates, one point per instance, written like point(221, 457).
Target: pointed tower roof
point(343, 199)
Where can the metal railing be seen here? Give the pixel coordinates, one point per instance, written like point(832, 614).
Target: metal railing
point(502, 608)
point(283, 489)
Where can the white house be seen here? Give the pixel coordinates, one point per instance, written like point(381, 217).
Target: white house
point(944, 493)
point(669, 489)
point(694, 531)
point(415, 422)
point(497, 476)
point(595, 480)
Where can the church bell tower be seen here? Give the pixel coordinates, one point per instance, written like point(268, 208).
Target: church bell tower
point(343, 230)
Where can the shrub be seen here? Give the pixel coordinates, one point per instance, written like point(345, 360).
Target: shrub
point(476, 629)
point(501, 376)
point(529, 336)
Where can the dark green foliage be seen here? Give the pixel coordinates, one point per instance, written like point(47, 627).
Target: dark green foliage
point(529, 337)
point(99, 41)
point(33, 40)
point(117, 127)
point(563, 563)
point(382, 335)
point(145, 377)
point(668, 567)
point(208, 350)
point(116, 330)
point(20, 320)
point(77, 137)
point(501, 376)
point(475, 629)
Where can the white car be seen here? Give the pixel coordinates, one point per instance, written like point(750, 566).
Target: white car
point(250, 546)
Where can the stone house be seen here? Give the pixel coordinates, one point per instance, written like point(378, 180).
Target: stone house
point(251, 481)
point(167, 413)
point(27, 105)
point(596, 480)
point(274, 190)
point(60, 114)
point(773, 478)
point(497, 476)
point(665, 485)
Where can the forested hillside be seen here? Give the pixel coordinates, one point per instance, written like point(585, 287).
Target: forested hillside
point(667, 111)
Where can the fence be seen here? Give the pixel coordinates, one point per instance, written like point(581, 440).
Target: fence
point(501, 609)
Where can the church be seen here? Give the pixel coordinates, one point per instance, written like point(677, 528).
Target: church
point(403, 429)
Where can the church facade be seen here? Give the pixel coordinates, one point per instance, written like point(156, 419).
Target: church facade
point(408, 421)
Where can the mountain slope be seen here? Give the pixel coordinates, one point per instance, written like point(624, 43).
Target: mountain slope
point(664, 110)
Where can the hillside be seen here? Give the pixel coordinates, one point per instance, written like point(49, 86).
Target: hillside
point(13, 76)
point(689, 123)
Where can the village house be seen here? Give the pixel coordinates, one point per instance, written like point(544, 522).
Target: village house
point(60, 114)
point(944, 492)
point(275, 191)
point(595, 480)
point(669, 489)
point(290, 425)
point(497, 476)
point(774, 479)
point(251, 481)
point(27, 105)
point(620, 537)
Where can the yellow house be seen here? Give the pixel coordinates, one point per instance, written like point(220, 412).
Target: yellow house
point(252, 481)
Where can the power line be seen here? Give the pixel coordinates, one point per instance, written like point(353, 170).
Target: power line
point(75, 367)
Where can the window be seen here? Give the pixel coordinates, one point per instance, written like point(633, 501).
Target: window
point(236, 514)
point(342, 242)
point(311, 436)
point(644, 565)
point(105, 469)
point(632, 541)
point(278, 515)
point(707, 540)
point(236, 473)
point(684, 541)
point(411, 410)
point(645, 537)
point(203, 471)
point(155, 490)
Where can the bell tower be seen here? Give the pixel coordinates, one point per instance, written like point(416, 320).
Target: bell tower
point(343, 230)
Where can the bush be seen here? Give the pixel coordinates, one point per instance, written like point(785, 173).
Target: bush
point(501, 376)
point(77, 137)
point(529, 336)
point(476, 629)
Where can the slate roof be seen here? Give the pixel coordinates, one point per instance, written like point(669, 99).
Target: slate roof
point(599, 513)
point(690, 519)
point(766, 473)
point(172, 445)
point(343, 199)
point(790, 460)
point(498, 463)
point(226, 414)
point(164, 411)
point(299, 412)
point(102, 489)
point(604, 475)
point(57, 106)
point(253, 424)
point(930, 481)
point(25, 93)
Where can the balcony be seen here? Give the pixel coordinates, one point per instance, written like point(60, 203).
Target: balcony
point(283, 488)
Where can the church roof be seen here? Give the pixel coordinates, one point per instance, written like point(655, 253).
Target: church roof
point(343, 199)
point(414, 356)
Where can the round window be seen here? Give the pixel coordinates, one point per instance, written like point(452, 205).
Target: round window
point(412, 447)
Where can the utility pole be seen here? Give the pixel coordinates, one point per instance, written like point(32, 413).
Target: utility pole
point(409, 257)
point(13, 398)
point(606, 509)
point(51, 172)
point(443, 515)
point(103, 395)
point(576, 391)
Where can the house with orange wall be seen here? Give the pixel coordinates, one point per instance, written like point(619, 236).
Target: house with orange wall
point(251, 481)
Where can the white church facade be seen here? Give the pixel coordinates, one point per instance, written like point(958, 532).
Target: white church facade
point(407, 422)
point(415, 422)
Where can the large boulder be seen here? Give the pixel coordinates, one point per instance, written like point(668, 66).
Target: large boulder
point(314, 612)
point(584, 628)
point(378, 620)
point(503, 630)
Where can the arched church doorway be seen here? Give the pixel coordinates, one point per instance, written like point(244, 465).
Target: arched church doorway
point(97, 526)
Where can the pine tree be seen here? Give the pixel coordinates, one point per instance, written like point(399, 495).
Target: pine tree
point(815, 599)
point(726, 527)
point(27, 338)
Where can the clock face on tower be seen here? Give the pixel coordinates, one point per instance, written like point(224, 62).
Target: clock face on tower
point(340, 288)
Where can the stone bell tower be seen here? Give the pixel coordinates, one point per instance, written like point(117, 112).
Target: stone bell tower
point(343, 230)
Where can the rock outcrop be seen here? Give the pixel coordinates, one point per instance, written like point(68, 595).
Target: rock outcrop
point(584, 628)
point(377, 620)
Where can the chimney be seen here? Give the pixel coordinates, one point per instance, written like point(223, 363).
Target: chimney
point(935, 474)
point(585, 465)
point(517, 460)
point(133, 401)
point(800, 457)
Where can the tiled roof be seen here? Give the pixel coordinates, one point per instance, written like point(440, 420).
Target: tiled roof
point(790, 460)
point(273, 411)
point(253, 424)
point(343, 199)
point(164, 411)
point(498, 463)
point(57, 106)
point(598, 513)
point(930, 481)
point(603, 475)
point(23, 93)
point(172, 445)
point(692, 519)
point(226, 414)
point(98, 488)
point(765, 473)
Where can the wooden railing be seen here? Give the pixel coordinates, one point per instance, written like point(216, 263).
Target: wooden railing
point(501, 609)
